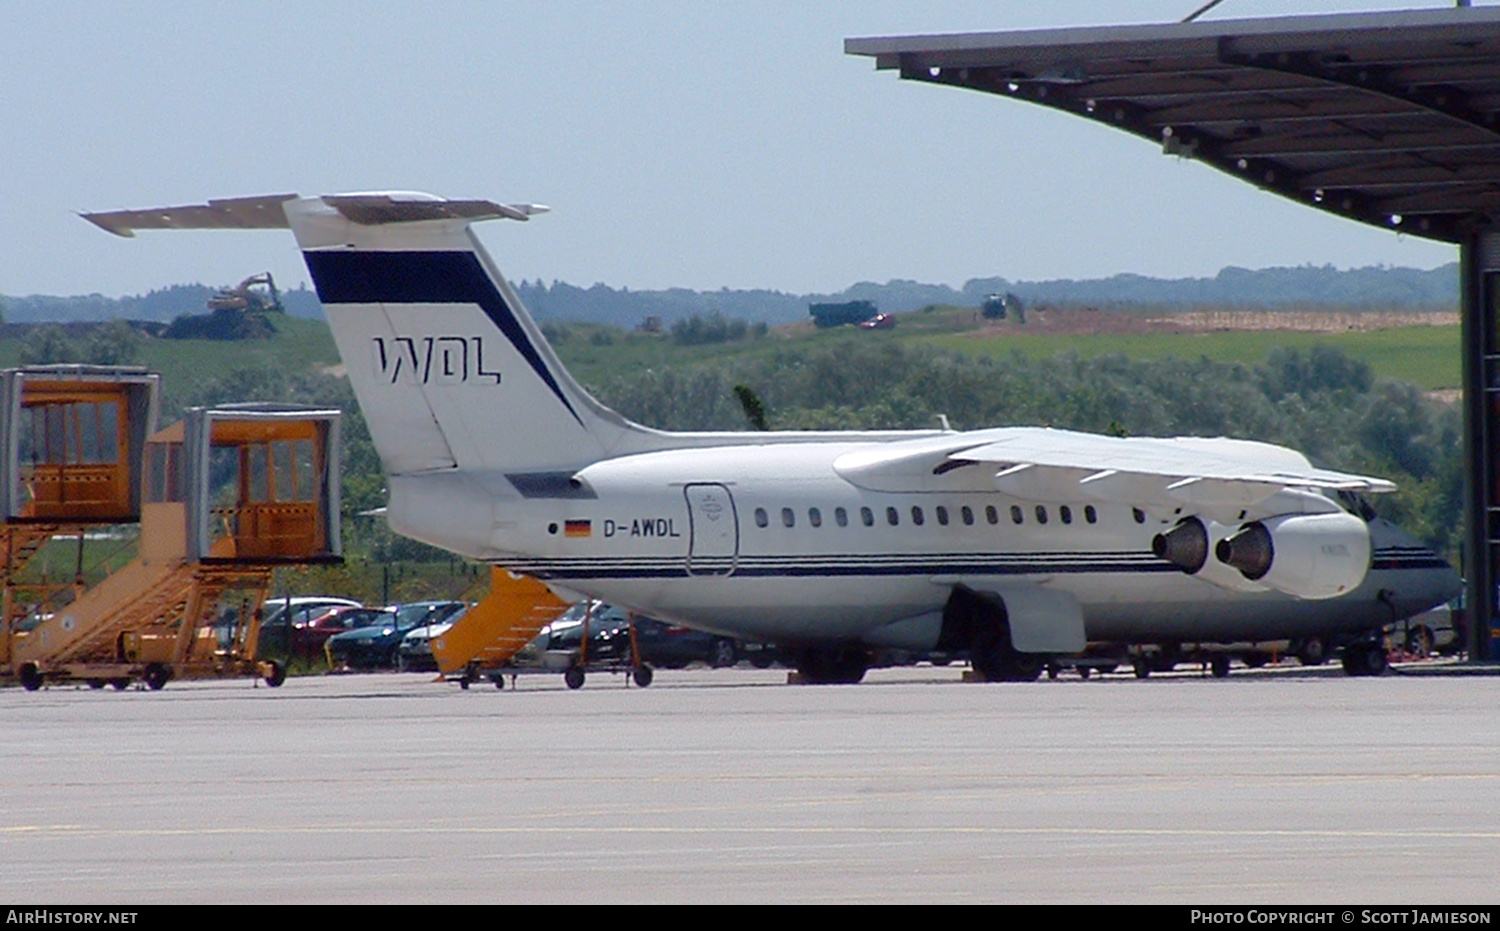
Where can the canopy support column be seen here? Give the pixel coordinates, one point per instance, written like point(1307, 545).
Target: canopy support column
point(1479, 267)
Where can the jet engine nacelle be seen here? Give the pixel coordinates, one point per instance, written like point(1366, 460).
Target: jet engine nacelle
point(1190, 546)
point(1308, 556)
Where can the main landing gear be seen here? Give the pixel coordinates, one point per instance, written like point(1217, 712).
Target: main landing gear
point(998, 661)
point(841, 665)
point(1365, 658)
point(984, 622)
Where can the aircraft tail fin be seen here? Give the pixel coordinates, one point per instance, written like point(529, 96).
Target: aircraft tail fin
point(449, 368)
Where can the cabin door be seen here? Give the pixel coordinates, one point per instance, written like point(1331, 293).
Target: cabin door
point(713, 530)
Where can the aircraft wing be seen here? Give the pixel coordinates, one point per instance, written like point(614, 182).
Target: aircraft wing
point(1044, 463)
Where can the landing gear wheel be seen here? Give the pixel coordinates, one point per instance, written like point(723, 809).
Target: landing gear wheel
point(96, 684)
point(1364, 659)
point(275, 674)
point(32, 677)
point(1052, 670)
point(1218, 666)
point(833, 665)
point(119, 685)
point(1419, 642)
point(1027, 667)
point(724, 654)
point(643, 675)
point(1312, 652)
point(573, 677)
point(1017, 667)
point(998, 661)
point(1085, 671)
point(500, 683)
point(156, 676)
point(1142, 667)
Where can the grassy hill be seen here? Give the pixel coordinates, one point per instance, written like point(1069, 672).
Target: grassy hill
point(1425, 356)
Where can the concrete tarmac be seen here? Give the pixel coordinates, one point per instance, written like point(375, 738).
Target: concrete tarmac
point(730, 786)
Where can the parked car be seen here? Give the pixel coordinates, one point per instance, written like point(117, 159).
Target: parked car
point(374, 647)
point(672, 647)
point(415, 651)
point(659, 643)
point(607, 626)
point(308, 637)
point(1434, 631)
point(278, 618)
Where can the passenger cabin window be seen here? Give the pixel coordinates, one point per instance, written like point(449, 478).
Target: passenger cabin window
point(942, 515)
point(1089, 514)
point(991, 515)
point(967, 513)
point(761, 518)
point(815, 517)
point(916, 516)
point(1065, 514)
point(892, 516)
point(1041, 514)
point(867, 517)
point(1016, 516)
point(1140, 515)
point(788, 518)
point(841, 517)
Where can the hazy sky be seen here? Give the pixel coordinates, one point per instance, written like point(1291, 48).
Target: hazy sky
point(694, 144)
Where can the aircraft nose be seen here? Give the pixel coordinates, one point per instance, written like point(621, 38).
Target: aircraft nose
point(1434, 583)
point(1423, 578)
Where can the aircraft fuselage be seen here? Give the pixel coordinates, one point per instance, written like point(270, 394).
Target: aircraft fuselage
point(771, 543)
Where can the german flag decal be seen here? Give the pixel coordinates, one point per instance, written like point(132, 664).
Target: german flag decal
point(579, 528)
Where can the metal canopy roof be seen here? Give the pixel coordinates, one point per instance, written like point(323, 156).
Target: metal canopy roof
point(1392, 119)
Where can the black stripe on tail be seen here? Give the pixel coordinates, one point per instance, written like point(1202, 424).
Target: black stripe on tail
point(424, 278)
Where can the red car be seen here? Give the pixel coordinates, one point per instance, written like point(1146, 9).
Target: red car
point(308, 636)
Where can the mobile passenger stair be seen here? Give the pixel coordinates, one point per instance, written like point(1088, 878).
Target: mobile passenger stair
point(222, 497)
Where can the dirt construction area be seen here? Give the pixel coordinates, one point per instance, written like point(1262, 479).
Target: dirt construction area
point(1098, 321)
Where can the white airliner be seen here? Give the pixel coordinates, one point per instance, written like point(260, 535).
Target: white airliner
point(1018, 545)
